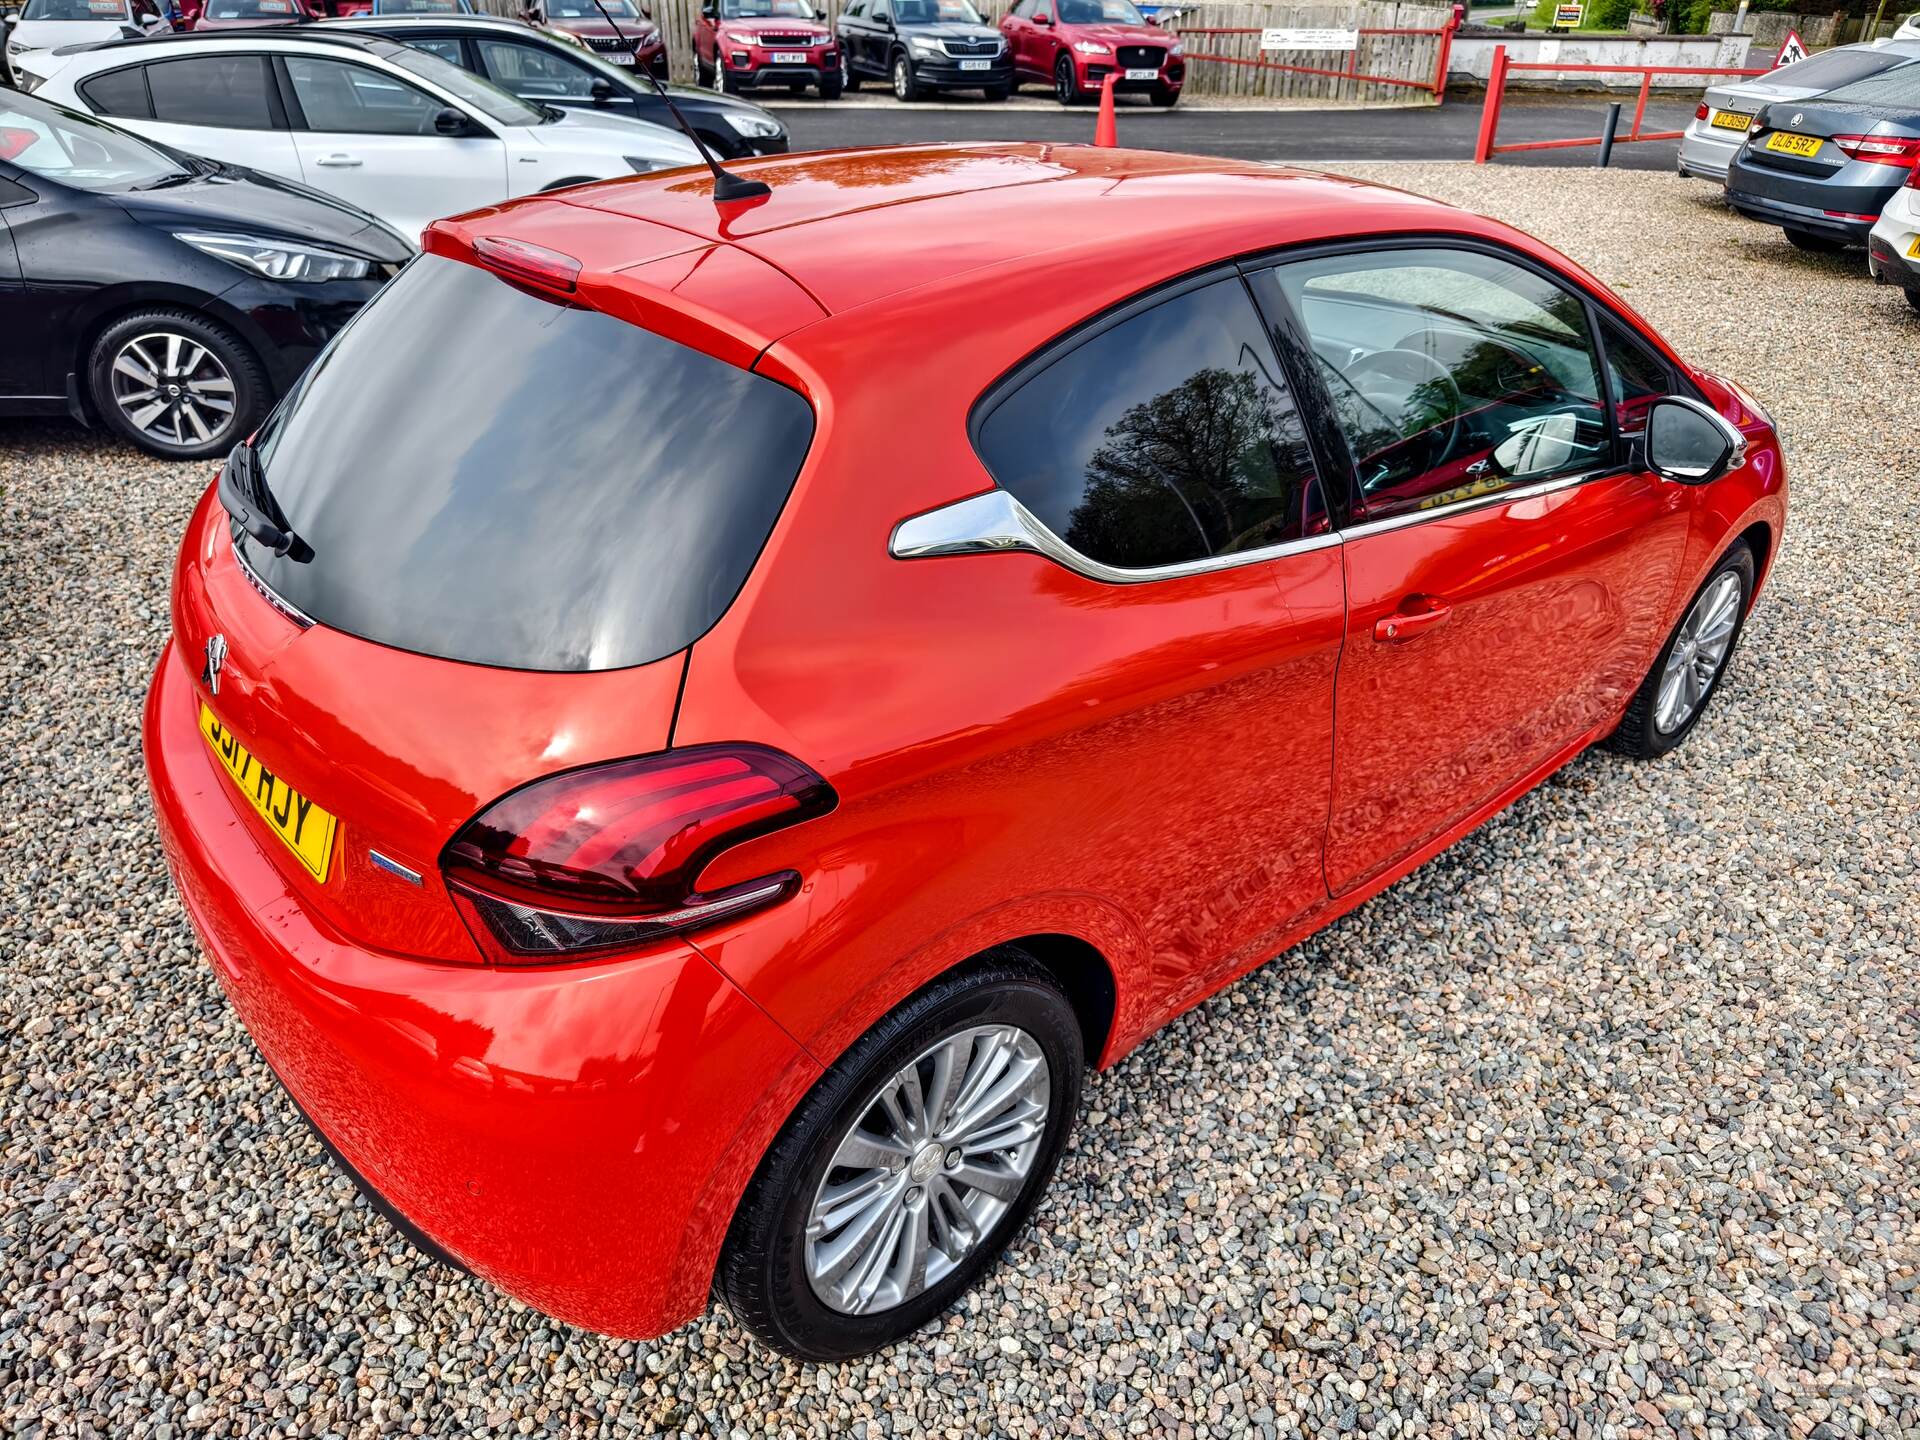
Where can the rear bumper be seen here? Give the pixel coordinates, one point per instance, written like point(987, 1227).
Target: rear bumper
point(576, 1135)
point(1889, 267)
point(1812, 219)
point(1704, 156)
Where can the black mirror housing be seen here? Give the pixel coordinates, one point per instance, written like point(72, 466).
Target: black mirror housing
point(1689, 442)
point(449, 121)
point(601, 90)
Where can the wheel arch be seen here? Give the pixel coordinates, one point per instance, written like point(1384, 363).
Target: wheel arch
point(112, 303)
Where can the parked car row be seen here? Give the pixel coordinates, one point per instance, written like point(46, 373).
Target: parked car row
point(1828, 149)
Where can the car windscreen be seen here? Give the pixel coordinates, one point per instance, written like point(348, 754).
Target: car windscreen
point(486, 475)
point(1837, 67)
point(76, 10)
point(587, 10)
point(72, 149)
point(252, 10)
point(490, 100)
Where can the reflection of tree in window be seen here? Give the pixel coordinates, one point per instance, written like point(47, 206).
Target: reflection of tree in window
point(1201, 456)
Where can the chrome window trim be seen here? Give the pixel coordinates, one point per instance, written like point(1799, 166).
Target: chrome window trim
point(285, 607)
point(1478, 502)
point(996, 521)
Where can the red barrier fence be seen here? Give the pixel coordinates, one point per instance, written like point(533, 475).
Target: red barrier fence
point(1485, 148)
point(1437, 85)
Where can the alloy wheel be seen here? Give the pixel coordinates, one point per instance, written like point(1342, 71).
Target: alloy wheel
point(902, 78)
point(719, 73)
point(1698, 652)
point(1063, 81)
point(173, 388)
point(927, 1169)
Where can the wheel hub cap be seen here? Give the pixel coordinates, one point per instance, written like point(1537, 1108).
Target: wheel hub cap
point(173, 388)
point(934, 1159)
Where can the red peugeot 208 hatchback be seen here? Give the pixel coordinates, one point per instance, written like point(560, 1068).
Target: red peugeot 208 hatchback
point(693, 725)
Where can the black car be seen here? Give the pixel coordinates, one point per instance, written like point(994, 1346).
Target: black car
point(169, 298)
point(923, 45)
point(1822, 168)
point(544, 69)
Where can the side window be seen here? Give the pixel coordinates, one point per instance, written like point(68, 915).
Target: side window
point(1169, 437)
point(447, 50)
point(855, 10)
point(343, 99)
point(1454, 373)
point(528, 72)
point(228, 91)
point(1639, 375)
point(119, 92)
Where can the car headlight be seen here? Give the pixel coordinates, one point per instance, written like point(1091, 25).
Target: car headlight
point(1092, 47)
point(757, 127)
point(278, 259)
point(1176, 50)
point(925, 48)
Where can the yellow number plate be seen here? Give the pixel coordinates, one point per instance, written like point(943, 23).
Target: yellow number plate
point(1794, 144)
point(1731, 119)
point(1913, 250)
point(303, 825)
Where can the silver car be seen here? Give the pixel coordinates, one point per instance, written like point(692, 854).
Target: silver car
point(1724, 117)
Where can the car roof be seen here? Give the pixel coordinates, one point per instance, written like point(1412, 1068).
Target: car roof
point(292, 32)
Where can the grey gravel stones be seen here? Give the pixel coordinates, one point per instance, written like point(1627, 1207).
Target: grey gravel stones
point(1601, 1125)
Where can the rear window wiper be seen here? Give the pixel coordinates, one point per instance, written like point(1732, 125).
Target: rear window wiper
point(245, 496)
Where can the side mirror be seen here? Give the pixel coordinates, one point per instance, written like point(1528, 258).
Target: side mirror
point(449, 121)
point(1688, 442)
point(1043, 19)
point(1154, 20)
point(601, 90)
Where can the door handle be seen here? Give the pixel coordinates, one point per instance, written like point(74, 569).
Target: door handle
point(339, 162)
point(1417, 615)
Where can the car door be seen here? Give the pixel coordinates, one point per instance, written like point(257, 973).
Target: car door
point(222, 106)
point(1507, 574)
point(1200, 618)
point(369, 137)
point(22, 327)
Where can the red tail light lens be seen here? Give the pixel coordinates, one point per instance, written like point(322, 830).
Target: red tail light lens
point(608, 856)
point(534, 264)
point(1700, 111)
point(1880, 149)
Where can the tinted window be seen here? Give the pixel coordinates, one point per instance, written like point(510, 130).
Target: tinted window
point(1639, 376)
point(525, 71)
point(77, 150)
point(75, 10)
point(122, 92)
point(1897, 88)
point(489, 99)
point(1168, 437)
point(228, 91)
point(489, 476)
point(352, 100)
point(447, 50)
point(1836, 67)
point(1453, 373)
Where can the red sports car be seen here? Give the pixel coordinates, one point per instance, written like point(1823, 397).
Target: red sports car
point(693, 726)
point(1073, 45)
point(746, 44)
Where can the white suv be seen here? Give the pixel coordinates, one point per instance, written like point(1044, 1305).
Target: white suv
point(381, 125)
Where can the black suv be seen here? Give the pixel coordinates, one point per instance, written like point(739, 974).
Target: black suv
point(541, 68)
point(923, 45)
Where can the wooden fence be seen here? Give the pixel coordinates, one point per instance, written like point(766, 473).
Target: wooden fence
point(1402, 57)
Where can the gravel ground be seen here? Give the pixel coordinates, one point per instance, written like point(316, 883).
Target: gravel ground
point(1602, 1124)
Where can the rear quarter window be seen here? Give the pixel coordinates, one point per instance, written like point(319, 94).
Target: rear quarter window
point(487, 475)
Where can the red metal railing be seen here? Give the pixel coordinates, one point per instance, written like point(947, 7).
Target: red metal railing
point(1485, 149)
point(1437, 85)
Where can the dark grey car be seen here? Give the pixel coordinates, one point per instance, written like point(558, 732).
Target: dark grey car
point(1822, 168)
point(918, 46)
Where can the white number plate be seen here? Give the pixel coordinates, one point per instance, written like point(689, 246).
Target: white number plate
point(620, 57)
point(789, 57)
point(1143, 74)
point(976, 64)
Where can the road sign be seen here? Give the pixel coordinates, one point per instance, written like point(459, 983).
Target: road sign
point(1284, 39)
point(1568, 16)
point(1791, 49)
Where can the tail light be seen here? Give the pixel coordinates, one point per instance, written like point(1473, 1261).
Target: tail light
point(606, 857)
point(1880, 149)
point(1700, 111)
point(535, 264)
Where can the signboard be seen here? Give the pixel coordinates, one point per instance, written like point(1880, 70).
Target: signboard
point(1284, 39)
point(1568, 16)
point(1791, 49)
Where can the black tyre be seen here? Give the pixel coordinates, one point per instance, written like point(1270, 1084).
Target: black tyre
point(1690, 665)
point(849, 77)
point(905, 85)
point(1165, 96)
point(176, 384)
point(830, 87)
point(996, 93)
point(1814, 244)
point(1066, 85)
point(1913, 298)
point(902, 1175)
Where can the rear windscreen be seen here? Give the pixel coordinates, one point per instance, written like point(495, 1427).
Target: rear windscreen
point(1837, 67)
point(486, 475)
point(1895, 89)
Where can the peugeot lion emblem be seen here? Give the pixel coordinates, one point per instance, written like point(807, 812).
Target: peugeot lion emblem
point(216, 657)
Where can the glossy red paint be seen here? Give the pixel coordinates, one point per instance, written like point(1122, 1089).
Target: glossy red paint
point(1090, 36)
point(749, 41)
point(1151, 782)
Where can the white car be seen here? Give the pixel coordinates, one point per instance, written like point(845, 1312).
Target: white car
point(1720, 124)
point(1909, 30)
point(48, 24)
point(383, 126)
point(1893, 246)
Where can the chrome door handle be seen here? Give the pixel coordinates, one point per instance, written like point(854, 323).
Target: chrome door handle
point(1416, 615)
point(339, 162)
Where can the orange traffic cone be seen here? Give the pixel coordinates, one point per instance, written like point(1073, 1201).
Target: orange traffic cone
point(1105, 132)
